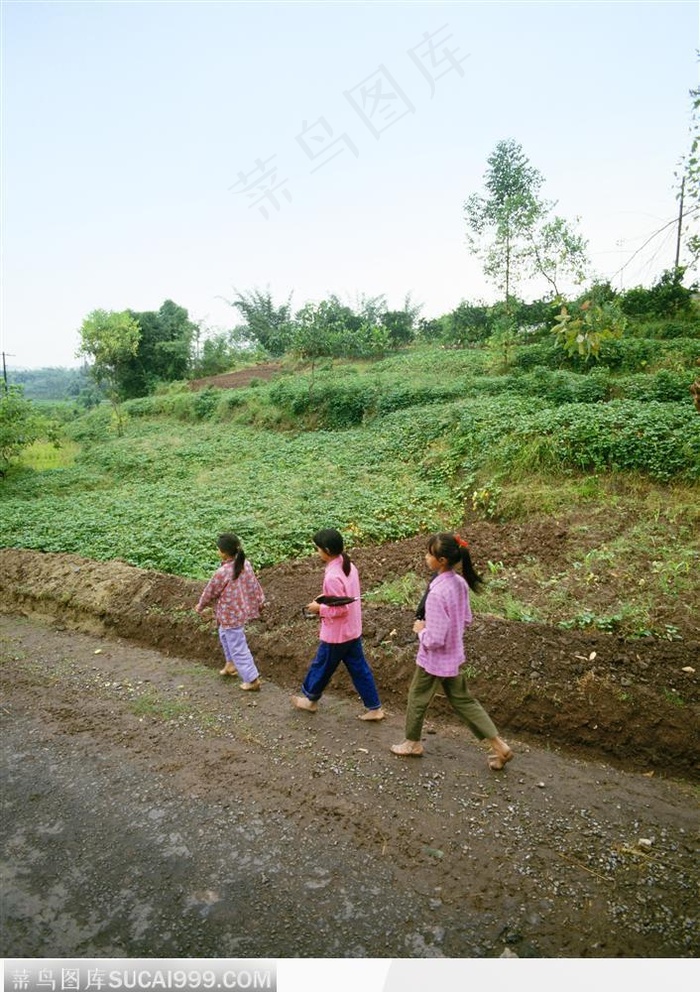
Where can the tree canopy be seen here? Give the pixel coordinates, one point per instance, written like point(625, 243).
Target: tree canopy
point(133, 351)
point(514, 231)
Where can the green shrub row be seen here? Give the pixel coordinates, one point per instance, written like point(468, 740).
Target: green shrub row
point(340, 401)
point(623, 355)
point(660, 440)
point(668, 328)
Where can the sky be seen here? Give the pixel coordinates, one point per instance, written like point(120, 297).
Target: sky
point(190, 151)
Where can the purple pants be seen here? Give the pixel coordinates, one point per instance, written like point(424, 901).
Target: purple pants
point(236, 651)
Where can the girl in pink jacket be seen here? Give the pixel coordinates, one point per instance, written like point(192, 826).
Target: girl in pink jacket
point(441, 650)
point(340, 633)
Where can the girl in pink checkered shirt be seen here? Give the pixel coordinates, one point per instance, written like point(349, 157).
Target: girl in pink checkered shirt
point(441, 650)
point(239, 597)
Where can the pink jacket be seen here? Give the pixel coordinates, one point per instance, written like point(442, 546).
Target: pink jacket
point(447, 613)
point(340, 623)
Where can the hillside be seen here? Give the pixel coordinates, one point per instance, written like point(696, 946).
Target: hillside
point(578, 492)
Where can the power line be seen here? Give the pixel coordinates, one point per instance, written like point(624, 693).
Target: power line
point(670, 223)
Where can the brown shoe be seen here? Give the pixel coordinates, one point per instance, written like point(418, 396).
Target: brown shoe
point(409, 749)
point(377, 714)
point(302, 703)
point(228, 670)
point(250, 686)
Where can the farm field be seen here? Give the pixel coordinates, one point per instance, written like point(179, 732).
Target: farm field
point(580, 505)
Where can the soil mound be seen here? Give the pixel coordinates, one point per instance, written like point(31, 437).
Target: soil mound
point(237, 380)
point(634, 703)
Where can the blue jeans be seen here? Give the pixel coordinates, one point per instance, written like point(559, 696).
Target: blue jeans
point(327, 659)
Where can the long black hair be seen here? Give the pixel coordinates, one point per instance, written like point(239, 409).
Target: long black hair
point(331, 541)
point(231, 545)
point(456, 550)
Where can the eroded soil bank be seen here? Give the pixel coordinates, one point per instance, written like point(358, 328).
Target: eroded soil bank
point(636, 703)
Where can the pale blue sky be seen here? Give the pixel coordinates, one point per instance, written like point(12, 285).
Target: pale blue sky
point(127, 128)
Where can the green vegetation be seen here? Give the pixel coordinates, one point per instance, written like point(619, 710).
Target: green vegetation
point(405, 590)
point(21, 425)
point(512, 230)
point(514, 427)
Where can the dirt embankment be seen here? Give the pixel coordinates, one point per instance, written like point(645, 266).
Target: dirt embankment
point(637, 703)
point(237, 380)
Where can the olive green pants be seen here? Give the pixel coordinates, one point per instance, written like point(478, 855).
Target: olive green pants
point(469, 710)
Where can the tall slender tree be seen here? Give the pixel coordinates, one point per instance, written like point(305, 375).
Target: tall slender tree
point(513, 230)
point(110, 339)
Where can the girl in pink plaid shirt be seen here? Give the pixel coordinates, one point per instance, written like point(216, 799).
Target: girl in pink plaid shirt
point(441, 650)
point(239, 597)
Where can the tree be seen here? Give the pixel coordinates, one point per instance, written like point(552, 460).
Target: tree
point(401, 324)
point(268, 325)
point(20, 426)
point(512, 230)
point(132, 352)
point(164, 349)
point(110, 339)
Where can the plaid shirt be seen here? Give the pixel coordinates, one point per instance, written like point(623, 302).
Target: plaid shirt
point(237, 600)
point(447, 613)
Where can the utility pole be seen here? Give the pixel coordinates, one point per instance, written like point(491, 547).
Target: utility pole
point(4, 371)
point(680, 226)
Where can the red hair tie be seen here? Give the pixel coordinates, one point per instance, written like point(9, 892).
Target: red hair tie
point(461, 542)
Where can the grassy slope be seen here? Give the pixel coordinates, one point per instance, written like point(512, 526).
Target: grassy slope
point(382, 452)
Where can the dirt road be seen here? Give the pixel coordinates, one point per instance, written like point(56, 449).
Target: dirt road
point(153, 809)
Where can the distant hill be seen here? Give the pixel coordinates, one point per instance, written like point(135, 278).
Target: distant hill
point(49, 383)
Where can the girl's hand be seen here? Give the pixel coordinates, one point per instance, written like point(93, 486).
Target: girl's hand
point(313, 607)
point(418, 626)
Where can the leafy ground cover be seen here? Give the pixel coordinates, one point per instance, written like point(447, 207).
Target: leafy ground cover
point(435, 439)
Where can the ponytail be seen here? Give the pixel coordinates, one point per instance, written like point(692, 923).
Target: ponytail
point(238, 563)
point(474, 580)
point(456, 550)
point(231, 545)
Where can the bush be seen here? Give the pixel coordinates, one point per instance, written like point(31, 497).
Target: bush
point(629, 354)
point(205, 403)
point(668, 297)
point(20, 426)
point(661, 440)
point(665, 329)
point(332, 401)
